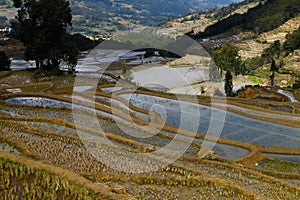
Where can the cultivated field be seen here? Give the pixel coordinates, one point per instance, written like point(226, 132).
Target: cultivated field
point(50, 144)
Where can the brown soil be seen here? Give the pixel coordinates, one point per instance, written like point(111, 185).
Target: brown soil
point(262, 93)
point(249, 93)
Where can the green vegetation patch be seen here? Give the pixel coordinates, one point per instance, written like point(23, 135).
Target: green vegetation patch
point(255, 80)
point(280, 166)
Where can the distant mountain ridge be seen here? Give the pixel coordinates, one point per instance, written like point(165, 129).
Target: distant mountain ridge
point(107, 16)
point(113, 15)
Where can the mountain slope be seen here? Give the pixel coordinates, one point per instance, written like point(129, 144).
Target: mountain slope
point(113, 15)
point(254, 47)
point(107, 16)
point(267, 16)
point(198, 21)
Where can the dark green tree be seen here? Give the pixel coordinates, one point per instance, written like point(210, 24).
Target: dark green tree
point(71, 56)
point(43, 25)
point(292, 41)
point(276, 48)
point(4, 62)
point(244, 68)
point(273, 69)
point(227, 59)
point(149, 53)
point(272, 78)
point(228, 84)
point(272, 52)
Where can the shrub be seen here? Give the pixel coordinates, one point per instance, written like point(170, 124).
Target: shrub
point(42, 73)
point(296, 86)
point(4, 62)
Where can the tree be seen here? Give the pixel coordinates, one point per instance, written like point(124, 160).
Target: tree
point(71, 56)
point(292, 41)
point(149, 53)
point(273, 69)
point(228, 59)
point(272, 52)
point(244, 68)
point(81, 42)
point(276, 48)
point(228, 84)
point(43, 25)
point(4, 62)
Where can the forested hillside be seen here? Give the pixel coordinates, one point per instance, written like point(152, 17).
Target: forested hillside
point(267, 16)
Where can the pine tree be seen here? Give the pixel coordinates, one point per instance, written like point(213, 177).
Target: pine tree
point(274, 69)
point(228, 84)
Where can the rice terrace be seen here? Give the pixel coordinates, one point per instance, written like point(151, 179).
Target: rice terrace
point(142, 114)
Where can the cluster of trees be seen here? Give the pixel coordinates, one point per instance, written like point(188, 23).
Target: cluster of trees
point(226, 59)
point(277, 51)
point(272, 52)
point(269, 55)
point(273, 56)
point(292, 41)
point(42, 28)
point(81, 42)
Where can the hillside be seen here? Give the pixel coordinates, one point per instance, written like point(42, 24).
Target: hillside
point(198, 21)
point(114, 15)
point(107, 16)
point(267, 16)
point(254, 47)
point(252, 26)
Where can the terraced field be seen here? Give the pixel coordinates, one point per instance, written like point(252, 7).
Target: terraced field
point(120, 142)
point(254, 47)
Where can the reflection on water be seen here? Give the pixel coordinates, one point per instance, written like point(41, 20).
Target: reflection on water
point(290, 158)
point(236, 127)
